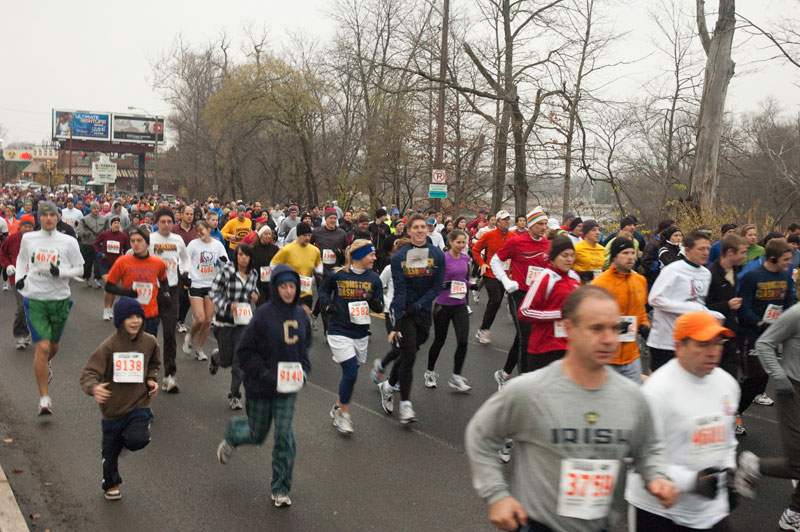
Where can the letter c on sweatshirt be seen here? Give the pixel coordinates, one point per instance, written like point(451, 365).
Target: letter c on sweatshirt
point(288, 336)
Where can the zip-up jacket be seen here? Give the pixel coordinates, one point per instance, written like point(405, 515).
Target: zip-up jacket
point(630, 291)
point(722, 291)
point(491, 241)
point(415, 288)
point(89, 227)
point(542, 308)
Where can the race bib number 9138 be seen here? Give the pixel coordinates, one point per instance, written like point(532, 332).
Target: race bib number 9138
point(129, 367)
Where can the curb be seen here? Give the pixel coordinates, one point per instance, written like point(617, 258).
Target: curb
point(11, 519)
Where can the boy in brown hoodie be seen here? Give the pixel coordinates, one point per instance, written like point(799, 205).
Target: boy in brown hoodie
point(121, 375)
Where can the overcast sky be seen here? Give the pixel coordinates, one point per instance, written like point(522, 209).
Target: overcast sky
point(96, 55)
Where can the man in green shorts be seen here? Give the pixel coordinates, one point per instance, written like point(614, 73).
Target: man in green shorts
point(47, 260)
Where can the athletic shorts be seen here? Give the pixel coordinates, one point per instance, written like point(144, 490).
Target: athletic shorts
point(47, 319)
point(199, 292)
point(344, 348)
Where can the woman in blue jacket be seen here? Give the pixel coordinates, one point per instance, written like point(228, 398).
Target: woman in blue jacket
point(273, 356)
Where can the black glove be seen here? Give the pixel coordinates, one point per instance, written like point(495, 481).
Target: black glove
point(330, 308)
point(20, 283)
point(476, 286)
point(130, 293)
point(707, 481)
point(164, 299)
point(187, 281)
point(733, 494)
point(644, 331)
point(54, 270)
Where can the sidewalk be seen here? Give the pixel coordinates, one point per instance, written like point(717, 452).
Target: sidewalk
point(11, 519)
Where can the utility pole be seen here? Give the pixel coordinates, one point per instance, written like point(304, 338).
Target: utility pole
point(69, 176)
point(439, 155)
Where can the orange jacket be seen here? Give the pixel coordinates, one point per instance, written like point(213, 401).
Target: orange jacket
point(630, 290)
point(492, 241)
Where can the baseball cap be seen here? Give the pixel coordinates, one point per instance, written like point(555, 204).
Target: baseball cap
point(431, 221)
point(502, 214)
point(700, 326)
point(48, 206)
point(395, 211)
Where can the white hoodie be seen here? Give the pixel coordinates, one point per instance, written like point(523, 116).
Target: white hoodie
point(39, 249)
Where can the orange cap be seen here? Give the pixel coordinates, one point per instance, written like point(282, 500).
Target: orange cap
point(700, 326)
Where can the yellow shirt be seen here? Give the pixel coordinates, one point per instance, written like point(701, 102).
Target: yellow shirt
point(236, 228)
point(303, 260)
point(589, 258)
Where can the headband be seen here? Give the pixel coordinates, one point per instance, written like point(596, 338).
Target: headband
point(360, 253)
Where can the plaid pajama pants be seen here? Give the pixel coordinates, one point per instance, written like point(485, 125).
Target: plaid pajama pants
point(253, 429)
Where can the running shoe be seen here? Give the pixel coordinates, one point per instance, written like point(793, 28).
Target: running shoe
point(28, 340)
point(469, 309)
point(224, 452)
point(407, 414)
point(314, 324)
point(476, 295)
point(281, 500)
point(199, 355)
point(790, 520)
point(235, 403)
point(334, 413)
point(385, 392)
point(484, 336)
point(20, 343)
point(376, 373)
point(182, 327)
point(45, 406)
point(747, 474)
point(188, 349)
point(505, 453)
point(459, 384)
point(5, 286)
point(170, 384)
point(108, 314)
point(396, 387)
point(763, 400)
point(343, 422)
point(739, 430)
point(501, 379)
point(431, 379)
point(112, 494)
point(212, 364)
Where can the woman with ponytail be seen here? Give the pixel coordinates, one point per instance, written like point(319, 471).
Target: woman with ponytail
point(348, 296)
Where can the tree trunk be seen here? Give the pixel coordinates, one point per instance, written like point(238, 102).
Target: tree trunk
point(501, 158)
point(718, 74)
point(520, 167)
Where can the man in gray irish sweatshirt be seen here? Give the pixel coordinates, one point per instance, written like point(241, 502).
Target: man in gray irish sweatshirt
point(572, 422)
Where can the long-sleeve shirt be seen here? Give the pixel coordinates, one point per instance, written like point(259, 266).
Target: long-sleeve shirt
point(528, 258)
point(694, 417)
point(37, 251)
point(125, 396)
point(551, 420)
point(542, 308)
point(681, 287)
point(785, 331)
point(90, 226)
point(172, 251)
point(346, 290)
point(9, 250)
point(491, 241)
point(112, 244)
point(229, 287)
point(589, 261)
point(235, 230)
point(417, 274)
point(762, 289)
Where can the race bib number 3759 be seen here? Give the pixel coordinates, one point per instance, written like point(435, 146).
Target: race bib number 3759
point(586, 487)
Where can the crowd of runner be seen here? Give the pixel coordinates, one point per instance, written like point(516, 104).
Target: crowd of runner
point(716, 320)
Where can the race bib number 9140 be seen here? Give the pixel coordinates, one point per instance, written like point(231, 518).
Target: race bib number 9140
point(290, 377)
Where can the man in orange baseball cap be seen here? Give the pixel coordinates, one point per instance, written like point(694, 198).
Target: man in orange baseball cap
point(693, 403)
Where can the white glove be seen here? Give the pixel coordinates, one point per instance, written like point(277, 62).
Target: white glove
point(510, 286)
point(11, 270)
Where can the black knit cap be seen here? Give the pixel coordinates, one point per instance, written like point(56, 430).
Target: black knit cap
point(671, 231)
point(303, 229)
point(619, 244)
point(728, 227)
point(560, 244)
point(574, 223)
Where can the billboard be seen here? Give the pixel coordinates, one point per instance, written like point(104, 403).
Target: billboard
point(29, 154)
point(137, 128)
point(83, 125)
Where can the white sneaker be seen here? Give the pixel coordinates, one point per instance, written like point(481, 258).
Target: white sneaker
point(199, 355)
point(407, 414)
point(790, 521)
point(469, 309)
point(182, 327)
point(224, 451)
point(45, 406)
point(188, 349)
point(501, 379)
point(747, 474)
point(281, 500)
point(385, 391)
point(170, 384)
point(5, 286)
point(343, 422)
point(108, 314)
point(234, 403)
point(314, 324)
point(763, 400)
point(431, 379)
point(28, 340)
point(459, 384)
point(484, 336)
point(20, 343)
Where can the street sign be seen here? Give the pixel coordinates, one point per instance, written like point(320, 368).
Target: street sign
point(437, 191)
point(438, 176)
point(104, 171)
point(155, 188)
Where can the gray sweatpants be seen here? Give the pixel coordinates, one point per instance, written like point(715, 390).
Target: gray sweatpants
point(20, 329)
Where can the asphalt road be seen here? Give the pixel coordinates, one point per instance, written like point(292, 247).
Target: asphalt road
point(384, 476)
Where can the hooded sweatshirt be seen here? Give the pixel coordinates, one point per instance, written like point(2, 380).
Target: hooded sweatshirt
point(277, 333)
point(630, 291)
point(125, 397)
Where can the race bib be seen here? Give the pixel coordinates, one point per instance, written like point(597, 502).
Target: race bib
point(627, 328)
point(707, 445)
point(144, 291)
point(359, 312)
point(69, 221)
point(129, 367)
point(586, 487)
point(264, 273)
point(172, 264)
point(112, 247)
point(243, 314)
point(290, 377)
point(458, 289)
point(328, 256)
point(206, 271)
point(772, 313)
point(417, 258)
point(305, 284)
point(533, 271)
point(559, 331)
point(44, 258)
